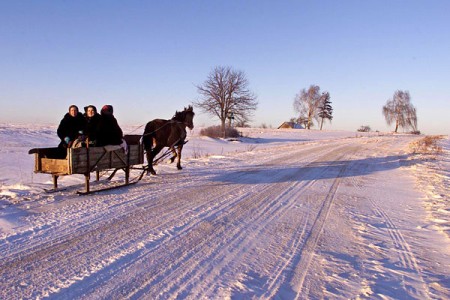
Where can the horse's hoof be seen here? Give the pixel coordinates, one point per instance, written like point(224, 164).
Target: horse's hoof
point(179, 168)
point(151, 172)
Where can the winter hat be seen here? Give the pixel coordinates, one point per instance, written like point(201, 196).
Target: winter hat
point(73, 105)
point(107, 110)
point(90, 105)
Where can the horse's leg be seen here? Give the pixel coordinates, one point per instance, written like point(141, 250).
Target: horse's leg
point(172, 159)
point(150, 156)
point(150, 162)
point(179, 148)
point(148, 144)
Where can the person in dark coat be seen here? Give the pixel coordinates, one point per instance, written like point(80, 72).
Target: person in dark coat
point(92, 122)
point(71, 127)
point(108, 130)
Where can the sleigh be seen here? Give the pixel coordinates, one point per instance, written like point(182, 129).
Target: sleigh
point(92, 159)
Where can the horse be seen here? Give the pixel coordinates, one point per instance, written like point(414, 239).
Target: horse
point(171, 133)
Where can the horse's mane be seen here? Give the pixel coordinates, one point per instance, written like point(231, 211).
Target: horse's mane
point(180, 116)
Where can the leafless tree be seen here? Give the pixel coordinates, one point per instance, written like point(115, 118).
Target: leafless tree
point(325, 111)
point(300, 120)
point(225, 94)
point(400, 110)
point(306, 103)
point(364, 128)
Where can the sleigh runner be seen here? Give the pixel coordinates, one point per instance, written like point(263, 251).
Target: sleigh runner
point(93, 159)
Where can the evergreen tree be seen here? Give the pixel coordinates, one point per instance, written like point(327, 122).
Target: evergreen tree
point(325, 111)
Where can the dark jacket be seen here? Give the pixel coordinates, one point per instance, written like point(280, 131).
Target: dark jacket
point(91, 129)
point(108, 131)
point(70, 127)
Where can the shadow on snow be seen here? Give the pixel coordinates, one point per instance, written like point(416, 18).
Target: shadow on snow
point(314, 171)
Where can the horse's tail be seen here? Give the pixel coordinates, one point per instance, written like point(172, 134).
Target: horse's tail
point(147, 137)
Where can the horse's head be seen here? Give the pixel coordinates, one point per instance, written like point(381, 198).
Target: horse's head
point(186, 117)
point(189, 118)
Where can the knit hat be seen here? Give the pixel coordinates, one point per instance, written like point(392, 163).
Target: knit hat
point(107, 110)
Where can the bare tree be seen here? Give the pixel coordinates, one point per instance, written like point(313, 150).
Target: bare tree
point(325, 111)
point(225, 93)
point(364, 128)
point(300, 121)
point(307, 103)
point(400, 110)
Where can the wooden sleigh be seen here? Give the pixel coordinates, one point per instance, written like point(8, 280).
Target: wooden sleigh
point(93, 159)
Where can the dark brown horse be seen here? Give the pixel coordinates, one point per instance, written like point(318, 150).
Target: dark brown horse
point(171, 133)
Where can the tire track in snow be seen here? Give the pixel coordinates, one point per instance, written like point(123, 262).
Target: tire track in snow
point(285, 272)
point(404, 251)
point(242, 240)
point(108, 233)
point(308, 250)
point(406, 256)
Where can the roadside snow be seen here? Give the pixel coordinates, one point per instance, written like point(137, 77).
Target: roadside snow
point(433, 177)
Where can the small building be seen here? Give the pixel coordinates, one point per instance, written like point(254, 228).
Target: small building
point(290, 125)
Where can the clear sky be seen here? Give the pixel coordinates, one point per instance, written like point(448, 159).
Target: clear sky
point(146, 57)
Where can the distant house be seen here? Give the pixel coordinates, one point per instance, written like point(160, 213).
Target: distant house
point(291, 125)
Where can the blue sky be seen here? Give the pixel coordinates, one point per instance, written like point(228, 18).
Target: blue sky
point(146, 57)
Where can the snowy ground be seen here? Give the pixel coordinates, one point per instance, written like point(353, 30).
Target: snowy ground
point(281, 214)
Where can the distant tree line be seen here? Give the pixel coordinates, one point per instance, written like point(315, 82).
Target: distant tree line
point(312, 105)
point(226, 94)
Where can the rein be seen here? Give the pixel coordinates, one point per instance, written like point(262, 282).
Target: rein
point(136, 128)
point(167, 153)
point(167, 123)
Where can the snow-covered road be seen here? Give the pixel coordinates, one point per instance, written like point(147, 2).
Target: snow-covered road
point(339, 218)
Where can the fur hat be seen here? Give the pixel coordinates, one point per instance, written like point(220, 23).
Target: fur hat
point(107, 110)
